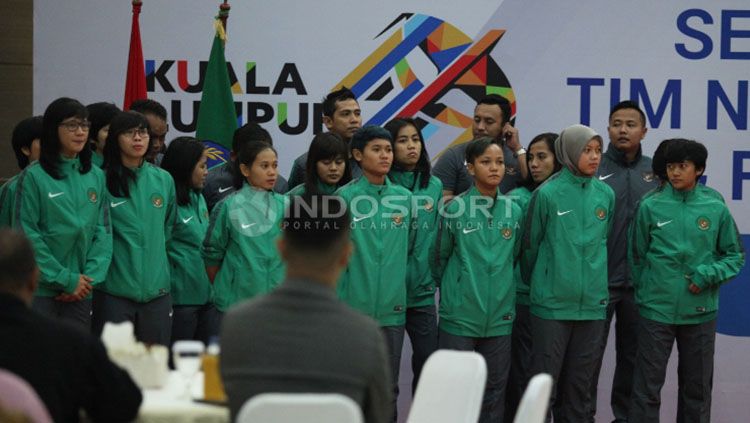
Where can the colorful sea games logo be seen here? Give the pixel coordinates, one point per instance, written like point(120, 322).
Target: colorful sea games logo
point(424, 68)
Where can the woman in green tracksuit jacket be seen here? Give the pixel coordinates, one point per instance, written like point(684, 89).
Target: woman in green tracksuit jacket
point(326, 169)
point(239, 251)
point(542, 163)
point(100, 115)
point(565, 262)
point(684, 246)
point(25, 140)
point(194, 315)
point(142, 206)
point(478, 242)
point(411, 170)
point(374, 282)
point(61, 206)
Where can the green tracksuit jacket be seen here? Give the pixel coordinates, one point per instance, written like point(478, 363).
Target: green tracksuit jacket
point(521, 196)
point(565, 247)
point(67, 221)
point(678, 238)
point(142, 224)
point(375, 280)
point(474, 257)
point(241, 239)
point(7, 198)
point(299, 190)
point(190, 285)
point(420, 285)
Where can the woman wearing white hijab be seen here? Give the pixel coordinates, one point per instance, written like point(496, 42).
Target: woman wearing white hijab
point(565, 262)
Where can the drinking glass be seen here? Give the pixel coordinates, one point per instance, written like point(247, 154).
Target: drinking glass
point(187, 361)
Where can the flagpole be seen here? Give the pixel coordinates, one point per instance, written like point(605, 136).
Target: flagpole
point(224, 14)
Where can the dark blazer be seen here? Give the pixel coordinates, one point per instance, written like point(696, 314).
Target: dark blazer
point(69, 369)
point(301, 338)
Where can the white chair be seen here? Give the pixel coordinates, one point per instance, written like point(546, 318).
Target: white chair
point(450, 389)
point(299, 408)
point(535, 400)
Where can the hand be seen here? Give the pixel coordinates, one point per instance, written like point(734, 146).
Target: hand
point(511, 137)
point(695, 289)
point(83, 289)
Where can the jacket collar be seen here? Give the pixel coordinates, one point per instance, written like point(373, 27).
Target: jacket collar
point(568, 176)
point(680, 195)
point(618, 156)
point(371, 189)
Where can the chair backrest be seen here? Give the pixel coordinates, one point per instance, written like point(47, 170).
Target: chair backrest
point(450, 388)
point(298, 408)
point(535, 401)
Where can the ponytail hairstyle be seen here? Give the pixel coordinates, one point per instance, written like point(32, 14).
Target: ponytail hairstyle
point(423, 167)
point(247, 154)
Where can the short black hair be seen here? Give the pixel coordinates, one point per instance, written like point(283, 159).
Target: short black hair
point(250, 131)
point(499, 101)
point(17, 261)
point(315, 223)
point(368, 133)
point(25, 132)
point(628, 104)
point(681, 150)
point(477, 147)
point(329, 102)
point(149, 106)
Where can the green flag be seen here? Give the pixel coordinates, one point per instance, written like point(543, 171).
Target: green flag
point(217, 119)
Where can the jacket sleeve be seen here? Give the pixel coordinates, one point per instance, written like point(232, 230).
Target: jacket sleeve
point(171, 217)
point(534, 228)
point(6, 205)
point(519, 235)
point(28, 216)
point(99, 254)
point(443, 248)
point(638, 240)
point(217, 237)
point(729, 253)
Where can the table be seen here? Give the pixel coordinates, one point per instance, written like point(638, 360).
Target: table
point(165, 405)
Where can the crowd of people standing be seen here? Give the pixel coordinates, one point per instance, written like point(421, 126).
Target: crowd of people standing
point(523, 255)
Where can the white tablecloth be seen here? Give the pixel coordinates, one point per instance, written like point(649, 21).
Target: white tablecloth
point(165, 405)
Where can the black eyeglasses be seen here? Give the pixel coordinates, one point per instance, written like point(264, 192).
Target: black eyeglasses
point(73, 126)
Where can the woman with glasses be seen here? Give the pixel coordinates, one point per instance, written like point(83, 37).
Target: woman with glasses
point(142, 207)
point(61, 206)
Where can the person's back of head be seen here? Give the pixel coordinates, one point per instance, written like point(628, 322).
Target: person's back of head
point(18, 270)
point(315, 242)
point(149, 106)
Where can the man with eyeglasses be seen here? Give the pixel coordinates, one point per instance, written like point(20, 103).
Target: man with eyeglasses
point(156, 115)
